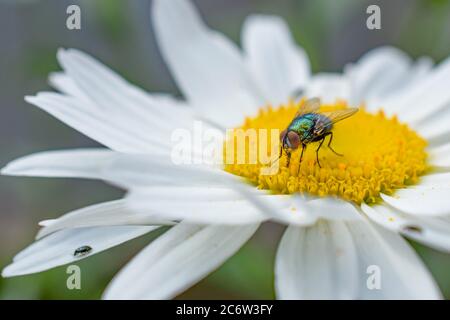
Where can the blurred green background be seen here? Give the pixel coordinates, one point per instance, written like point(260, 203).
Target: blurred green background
point(119, 33)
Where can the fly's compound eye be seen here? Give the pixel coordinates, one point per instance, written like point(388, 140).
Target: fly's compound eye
point(283, 140)
point(294, 139)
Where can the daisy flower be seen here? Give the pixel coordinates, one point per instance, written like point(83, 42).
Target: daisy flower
point(344, 219)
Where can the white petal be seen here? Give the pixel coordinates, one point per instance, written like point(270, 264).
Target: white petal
point(300, 211)
point(329, 87)
point(435, 128)
point(126, 170)
point(440, 156)
point(97, 124)
point(280, 67)
point(76, 163)
point(112, 213)
point(133, 171)
point(426, 97)
point(110, 92)
point(387, 99)
point(45, 223)
point(378, 73)
point(63, 83)
point(403, 275)
point(426, 200)
point(58, 249)
point(433, 232)
point(331, 259)
point(102, 105)
point(317, 262)
point(436, 180)
point(176, 260)
point(208, 68)
point(193, 204)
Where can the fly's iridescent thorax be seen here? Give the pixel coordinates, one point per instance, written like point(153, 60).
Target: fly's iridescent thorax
point(306, 126)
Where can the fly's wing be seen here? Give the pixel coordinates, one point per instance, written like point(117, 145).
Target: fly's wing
point(331, 118)
point(336, 116)
point(309, 106)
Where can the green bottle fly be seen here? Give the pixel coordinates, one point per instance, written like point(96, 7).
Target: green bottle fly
point(308, 126)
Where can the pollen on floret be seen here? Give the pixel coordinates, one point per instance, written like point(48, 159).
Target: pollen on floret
point(380, 154)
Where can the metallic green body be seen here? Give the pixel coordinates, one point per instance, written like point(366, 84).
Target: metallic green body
point(306, 124)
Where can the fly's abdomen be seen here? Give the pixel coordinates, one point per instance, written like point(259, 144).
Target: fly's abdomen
point(323, 124)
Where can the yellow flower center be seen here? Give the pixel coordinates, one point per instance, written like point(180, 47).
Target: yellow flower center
point(379, 154)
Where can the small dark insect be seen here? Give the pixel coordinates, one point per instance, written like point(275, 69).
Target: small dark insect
point(309, 126)
point(413, 229)
point(82, 251)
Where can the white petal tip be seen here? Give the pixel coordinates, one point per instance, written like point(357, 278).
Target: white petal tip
point(62, 55)
point(61, 51)
point(45, 223)
point(54, 76)
point(15, 270)
point(30, 99)
point(8, 271)
point(14, 168)
point(9, 170)
point(66, 52)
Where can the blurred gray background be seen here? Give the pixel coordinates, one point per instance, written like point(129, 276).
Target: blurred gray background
point(119, 33)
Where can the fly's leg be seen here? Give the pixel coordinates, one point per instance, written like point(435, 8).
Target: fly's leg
point(281, 152)
point(288, 154)
point(301, 154)
point(288, 159)
point(301, 157)
point(329, 144)
point(317, 150)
